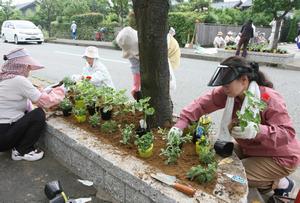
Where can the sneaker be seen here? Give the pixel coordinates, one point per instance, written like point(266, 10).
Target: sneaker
point(31, 156)
point(286, 192)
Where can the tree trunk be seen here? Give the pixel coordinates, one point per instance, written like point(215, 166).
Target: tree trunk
point(276, 34)
point(151, 18)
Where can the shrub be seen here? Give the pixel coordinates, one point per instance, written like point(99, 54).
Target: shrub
point(88, 19)
point(184, 24)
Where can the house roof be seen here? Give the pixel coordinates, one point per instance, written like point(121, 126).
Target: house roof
point(24, 5)
point(222, 5)
point(246, 4)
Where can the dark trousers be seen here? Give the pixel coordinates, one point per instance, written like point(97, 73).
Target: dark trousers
point(24, 133)
point(244, 42)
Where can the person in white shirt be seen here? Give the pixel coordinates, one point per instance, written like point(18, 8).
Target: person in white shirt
point(219, 42)
point(73, 30)
point(229, 39)
point(20, 126)
point(94, 70)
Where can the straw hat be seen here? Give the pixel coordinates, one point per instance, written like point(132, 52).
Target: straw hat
point(128, 41)
point(91, 52)
point(220, 33)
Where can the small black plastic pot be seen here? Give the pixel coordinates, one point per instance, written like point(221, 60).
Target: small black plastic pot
point(195, 138)
point(105, 115)
point(52, 189)
point(91, 109)
point(67, 112)
point(223, 148)
point(137, 95)
point(141, 131)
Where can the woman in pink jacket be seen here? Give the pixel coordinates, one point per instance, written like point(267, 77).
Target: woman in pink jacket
point(270, 150)
point(20, 126)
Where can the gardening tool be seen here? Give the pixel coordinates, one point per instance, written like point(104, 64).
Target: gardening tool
point(170, 180)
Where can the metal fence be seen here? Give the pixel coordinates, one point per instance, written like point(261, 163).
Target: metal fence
point(206, 32)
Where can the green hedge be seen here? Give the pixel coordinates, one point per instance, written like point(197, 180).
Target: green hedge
point(90, 19)
point(87, 25)
point(184, 24)
point(61, 30)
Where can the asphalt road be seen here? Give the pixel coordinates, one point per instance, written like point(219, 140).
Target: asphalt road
point(192, 76)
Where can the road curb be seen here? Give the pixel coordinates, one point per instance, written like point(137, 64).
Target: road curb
point(83, 44)
point(289, 66)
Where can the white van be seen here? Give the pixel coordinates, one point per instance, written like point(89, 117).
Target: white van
point(21, 31)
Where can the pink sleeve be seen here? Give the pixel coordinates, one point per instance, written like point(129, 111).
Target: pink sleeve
point(136, 82)
point(276, 129)
point(210, 102)
point(53, 98)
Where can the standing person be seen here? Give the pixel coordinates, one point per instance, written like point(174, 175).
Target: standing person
point(298, 31)
point(21, 127)
point(270, 150)
point(246, 35)
point(297, 40)
point(94, 69)
point(128, 41)
point(73, 30)
point(219, 42)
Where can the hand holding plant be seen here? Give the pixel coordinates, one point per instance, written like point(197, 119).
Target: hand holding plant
point(249, 120)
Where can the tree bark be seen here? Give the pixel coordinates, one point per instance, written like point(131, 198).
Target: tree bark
point(276, 34)
point(152, 24)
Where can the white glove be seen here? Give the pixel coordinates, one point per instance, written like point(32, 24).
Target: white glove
point(249, 132)
point(48, 89)
point(64, 88)
point(175, 131)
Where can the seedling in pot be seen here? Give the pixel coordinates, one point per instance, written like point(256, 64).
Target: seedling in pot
point(145, 144)
point(143, 106)
point(66, 106)
point(80, 114)
point(127, 133)
point(244, 118)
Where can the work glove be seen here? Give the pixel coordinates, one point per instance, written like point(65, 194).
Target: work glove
point(249, 132)
point(175, 131)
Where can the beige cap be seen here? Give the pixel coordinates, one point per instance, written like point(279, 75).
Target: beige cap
point(220, 33)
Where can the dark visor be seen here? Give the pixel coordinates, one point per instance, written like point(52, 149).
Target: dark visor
point(223, 75)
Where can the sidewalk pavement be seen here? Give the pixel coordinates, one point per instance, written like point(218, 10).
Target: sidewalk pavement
point(24, 181)
point(188, 52)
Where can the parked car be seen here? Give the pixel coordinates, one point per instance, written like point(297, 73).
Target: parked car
point(21, 31)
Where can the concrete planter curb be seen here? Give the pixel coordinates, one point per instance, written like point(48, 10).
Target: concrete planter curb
point(124, 178)
point(260, 57)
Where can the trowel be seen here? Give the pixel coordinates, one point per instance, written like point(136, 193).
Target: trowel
point(171, 181)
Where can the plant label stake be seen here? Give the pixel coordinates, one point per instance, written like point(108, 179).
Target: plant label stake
point(170, 180)
point(236, 178)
